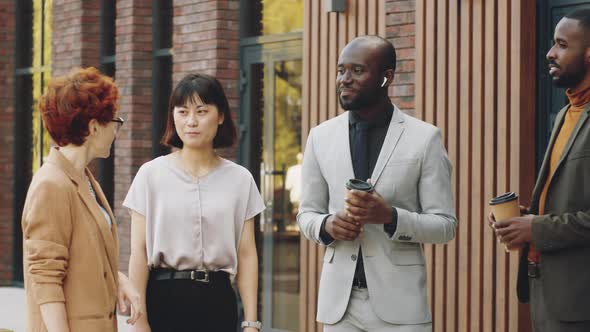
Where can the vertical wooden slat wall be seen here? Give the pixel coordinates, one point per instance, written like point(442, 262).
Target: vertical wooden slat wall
point(325, 34)
point(452, 141)
point(473, 72)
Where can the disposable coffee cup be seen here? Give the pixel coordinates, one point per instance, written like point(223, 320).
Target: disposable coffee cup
point(360, 185)
point(505, 206)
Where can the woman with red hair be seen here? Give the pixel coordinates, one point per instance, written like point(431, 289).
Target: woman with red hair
point(70, 241)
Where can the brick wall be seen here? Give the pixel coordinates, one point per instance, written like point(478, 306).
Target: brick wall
point(76, 35)
point(133, 75)
point(6, 138)
point(401, 31)
point(206, 39)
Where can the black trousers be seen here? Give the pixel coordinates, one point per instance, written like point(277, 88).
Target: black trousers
point(191, 306)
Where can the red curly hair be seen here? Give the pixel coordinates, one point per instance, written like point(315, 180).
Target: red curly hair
point(71, 101)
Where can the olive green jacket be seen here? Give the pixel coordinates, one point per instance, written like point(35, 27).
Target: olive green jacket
point(562, 234)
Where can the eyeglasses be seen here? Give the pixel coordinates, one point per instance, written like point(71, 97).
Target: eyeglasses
point(120, 122)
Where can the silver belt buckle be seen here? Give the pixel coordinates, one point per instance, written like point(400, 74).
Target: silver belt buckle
point(200, 275)
point(533, 270)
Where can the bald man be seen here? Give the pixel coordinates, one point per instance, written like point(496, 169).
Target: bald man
point(373, 275)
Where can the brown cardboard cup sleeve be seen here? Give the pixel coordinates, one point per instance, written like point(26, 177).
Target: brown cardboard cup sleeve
point(505, 206)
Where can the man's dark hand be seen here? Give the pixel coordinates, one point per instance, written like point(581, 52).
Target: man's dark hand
point(492, 219)
point(367, 208)
point(515, 232)
point(342, 227)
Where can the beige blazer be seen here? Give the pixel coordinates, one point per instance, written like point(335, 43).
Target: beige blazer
point(70, 254)
point(413, 174)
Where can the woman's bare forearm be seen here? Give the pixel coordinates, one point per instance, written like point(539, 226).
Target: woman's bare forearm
point(248, 286)
point(247, 277)
point(138, 266)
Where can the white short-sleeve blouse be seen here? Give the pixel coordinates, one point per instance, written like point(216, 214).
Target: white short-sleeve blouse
point(193, 224)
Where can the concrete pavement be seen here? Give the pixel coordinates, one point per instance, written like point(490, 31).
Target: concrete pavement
point(12, 311)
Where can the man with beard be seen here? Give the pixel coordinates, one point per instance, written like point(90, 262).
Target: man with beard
point(373, 275)
point(554, 271)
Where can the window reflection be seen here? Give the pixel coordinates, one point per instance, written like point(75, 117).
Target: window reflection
point(269, 17)
point(287, 189)
point(41, 70)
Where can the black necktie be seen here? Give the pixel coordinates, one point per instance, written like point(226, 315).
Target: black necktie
point(360, 162)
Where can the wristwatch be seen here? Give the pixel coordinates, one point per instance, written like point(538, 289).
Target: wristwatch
point(256, 324)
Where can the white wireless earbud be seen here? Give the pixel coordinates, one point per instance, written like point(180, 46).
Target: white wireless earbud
point(384, 81)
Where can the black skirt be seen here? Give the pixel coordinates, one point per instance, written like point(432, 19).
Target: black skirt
point(185, 305)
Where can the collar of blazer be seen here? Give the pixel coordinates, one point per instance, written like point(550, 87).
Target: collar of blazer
point(543, 173)
point(109, 234)
point(394, 132)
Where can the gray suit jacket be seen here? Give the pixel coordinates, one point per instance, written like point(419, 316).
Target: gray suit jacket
point(413, 174)
point(562, 234)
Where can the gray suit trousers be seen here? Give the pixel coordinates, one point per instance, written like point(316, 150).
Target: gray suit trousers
point(360, 317)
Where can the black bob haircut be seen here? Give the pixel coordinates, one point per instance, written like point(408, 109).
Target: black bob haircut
point(210, 91)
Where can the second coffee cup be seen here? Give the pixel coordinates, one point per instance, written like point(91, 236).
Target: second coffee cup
point(505, 206)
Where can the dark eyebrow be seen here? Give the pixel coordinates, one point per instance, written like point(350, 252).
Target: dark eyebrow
point(352, 64)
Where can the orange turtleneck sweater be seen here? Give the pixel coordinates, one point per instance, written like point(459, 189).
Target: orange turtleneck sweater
point(578, 101)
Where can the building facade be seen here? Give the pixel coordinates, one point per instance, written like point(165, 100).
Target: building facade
point(474, 68)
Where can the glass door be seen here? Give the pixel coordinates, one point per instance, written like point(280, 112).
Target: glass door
point(270, 122)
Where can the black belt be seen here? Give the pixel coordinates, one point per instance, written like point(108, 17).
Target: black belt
point(203, 276)
point(533, 270)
